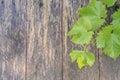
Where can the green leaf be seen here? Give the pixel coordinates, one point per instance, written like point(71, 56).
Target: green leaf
point(83, 58)
point(116, 19)
point(109, 40)
point(96, 23)
point(81, 62)
point(90, 58)
point(93, 1)
point(82, 38)
point(95, 13)
point(96, 9)
point(103, 37)
point(109, 3)
point(80, 26)
point(112, 47)
point(76, 30)
point(74, 55)
point(86, 11)
point(81, 30)
point(100, 9)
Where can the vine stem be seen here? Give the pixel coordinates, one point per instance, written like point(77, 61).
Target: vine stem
point(85, 47)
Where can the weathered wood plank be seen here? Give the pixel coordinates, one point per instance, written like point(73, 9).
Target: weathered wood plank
point(44, 44)
point(109, 69)
point(12, 39)
point(71, 70)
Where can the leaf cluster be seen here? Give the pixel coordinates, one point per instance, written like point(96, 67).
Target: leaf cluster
point(91, 23)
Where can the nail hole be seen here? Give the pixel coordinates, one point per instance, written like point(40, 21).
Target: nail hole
point(2, 2)
point(40, 4)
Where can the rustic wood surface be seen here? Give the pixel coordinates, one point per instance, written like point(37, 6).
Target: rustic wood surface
point(34, 44)
point(44, 40)
point(12, 39)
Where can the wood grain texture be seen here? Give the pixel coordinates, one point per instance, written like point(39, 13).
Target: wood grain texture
point(71, 70)
point(109, 69)
point(44, 44)
point(12, 40)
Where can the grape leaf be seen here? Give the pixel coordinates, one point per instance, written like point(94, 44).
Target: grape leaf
point(83, 58)
point(86, 11)
point(96, 9)
point(109, 40)
point(112, 47)
point(96, 12)
point(109, 3)
point(80, 26)
point(82, 38)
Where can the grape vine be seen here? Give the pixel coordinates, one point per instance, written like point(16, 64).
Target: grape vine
point(93, 26)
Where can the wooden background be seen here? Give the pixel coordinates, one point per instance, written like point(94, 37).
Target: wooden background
point(34, 45)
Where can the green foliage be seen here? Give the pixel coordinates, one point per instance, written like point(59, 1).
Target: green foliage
point(95, 9)
point(83, 58)
point(82, 38)
point(110, 41)
point(109, 2)
point(89, 25)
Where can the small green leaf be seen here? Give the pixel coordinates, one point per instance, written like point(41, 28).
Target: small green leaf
point(95, 13)
point(74, 55)
point(96, 9)
point(82, 38)
point(109, 3)
point(100, 9)
point(85, 58)
point(93, 2)
point(86, 11)
point(80, 26)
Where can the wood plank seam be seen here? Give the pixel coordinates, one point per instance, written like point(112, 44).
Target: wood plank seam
point(62, 29)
